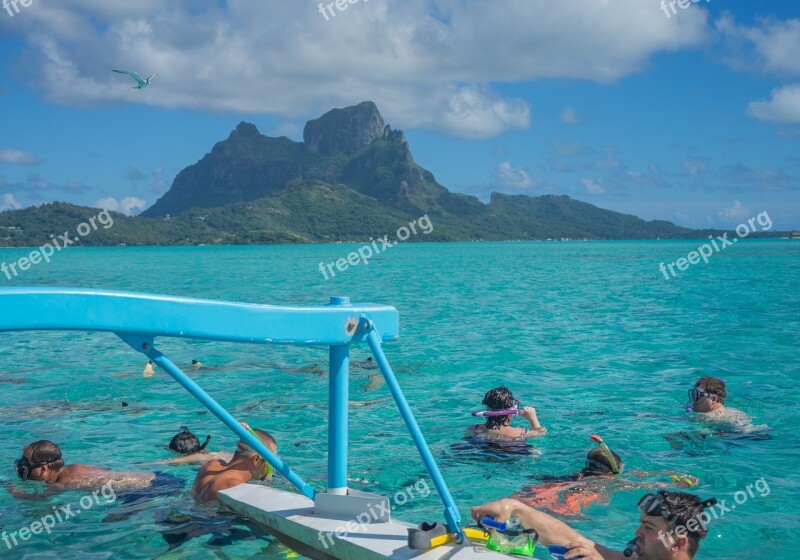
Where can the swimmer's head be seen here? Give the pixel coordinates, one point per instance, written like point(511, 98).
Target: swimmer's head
point(245, 452)
point(243, 449)
point(713, 385)
point(709, 394)
point(499, 398)
point(597, 463)
point(665, 513)
point(186, 443)
point(39, 461)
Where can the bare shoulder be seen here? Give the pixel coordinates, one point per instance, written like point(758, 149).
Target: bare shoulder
point(211, 466)
point(220, 456)
point(78, 473)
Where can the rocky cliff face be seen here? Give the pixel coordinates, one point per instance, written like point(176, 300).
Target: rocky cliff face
point(344, 131)
point(353, 146)
point(245, 166)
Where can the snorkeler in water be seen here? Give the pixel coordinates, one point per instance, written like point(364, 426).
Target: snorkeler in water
point(42, 461)
point(707, 399)
point(244, 466)
point(188, 445)
point(722, 426)
point(500, 399)
point(568, 495)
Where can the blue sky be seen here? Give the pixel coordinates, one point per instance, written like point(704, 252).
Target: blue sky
point(692, 118)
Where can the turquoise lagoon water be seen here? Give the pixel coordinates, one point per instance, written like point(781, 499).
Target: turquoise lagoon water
point(590, 333)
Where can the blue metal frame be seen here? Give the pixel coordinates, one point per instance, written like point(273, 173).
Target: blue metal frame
point(139, 318)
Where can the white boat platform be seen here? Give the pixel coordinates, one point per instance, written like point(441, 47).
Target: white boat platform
point(291, 519)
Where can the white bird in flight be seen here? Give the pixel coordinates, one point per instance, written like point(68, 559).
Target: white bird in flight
point(141, 83)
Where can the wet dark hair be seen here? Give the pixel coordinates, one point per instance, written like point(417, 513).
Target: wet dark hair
point(598, 456)
point(499, 398)
point(713, 385)
point(45, 451)
point(186, 443)
point(684, 507)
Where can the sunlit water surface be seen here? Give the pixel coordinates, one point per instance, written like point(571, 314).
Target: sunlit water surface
point(590, 333)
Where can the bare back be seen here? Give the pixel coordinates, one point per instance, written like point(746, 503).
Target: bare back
point(87, 476)
point(503, 431)
point(215, 476)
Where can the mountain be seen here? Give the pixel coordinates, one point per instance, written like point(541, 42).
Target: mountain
point(351, 146)
point(352, 177)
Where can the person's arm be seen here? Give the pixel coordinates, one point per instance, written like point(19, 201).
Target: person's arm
point(592, 552)
point(550, 529)
point(194, 459)
point(529, 413)
point(34, 497)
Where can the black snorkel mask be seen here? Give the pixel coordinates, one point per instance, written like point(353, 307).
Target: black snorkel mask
point(23, 467)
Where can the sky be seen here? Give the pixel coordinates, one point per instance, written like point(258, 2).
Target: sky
point(686, 111)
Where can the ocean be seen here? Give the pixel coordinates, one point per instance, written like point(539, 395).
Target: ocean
point(591, 334)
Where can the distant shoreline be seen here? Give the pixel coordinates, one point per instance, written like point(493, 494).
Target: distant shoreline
point(761, 236)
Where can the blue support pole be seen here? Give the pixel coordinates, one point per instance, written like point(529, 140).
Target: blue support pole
point(226, 418)
point(338, 403)
point(451, 513)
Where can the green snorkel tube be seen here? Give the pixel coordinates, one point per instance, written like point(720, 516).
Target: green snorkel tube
point(607, 452)
point(510, 538)
point(269, 470)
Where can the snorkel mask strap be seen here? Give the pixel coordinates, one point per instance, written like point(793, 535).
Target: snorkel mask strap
point(270, 469)
point(607, 453)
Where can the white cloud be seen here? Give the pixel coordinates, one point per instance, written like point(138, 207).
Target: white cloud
point(784, 107)
point(425, 64)
point(515, 178)
point(736, 211)
point(130, 205)
point(594, 187)
point(772, 45)
point(473, 112)
point(569, 116)
point(18, 157)
point(9, 203)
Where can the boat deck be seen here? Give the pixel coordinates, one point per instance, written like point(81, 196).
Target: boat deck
point(290, 518)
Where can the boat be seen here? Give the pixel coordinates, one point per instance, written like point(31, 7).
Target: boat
point(337, 522)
